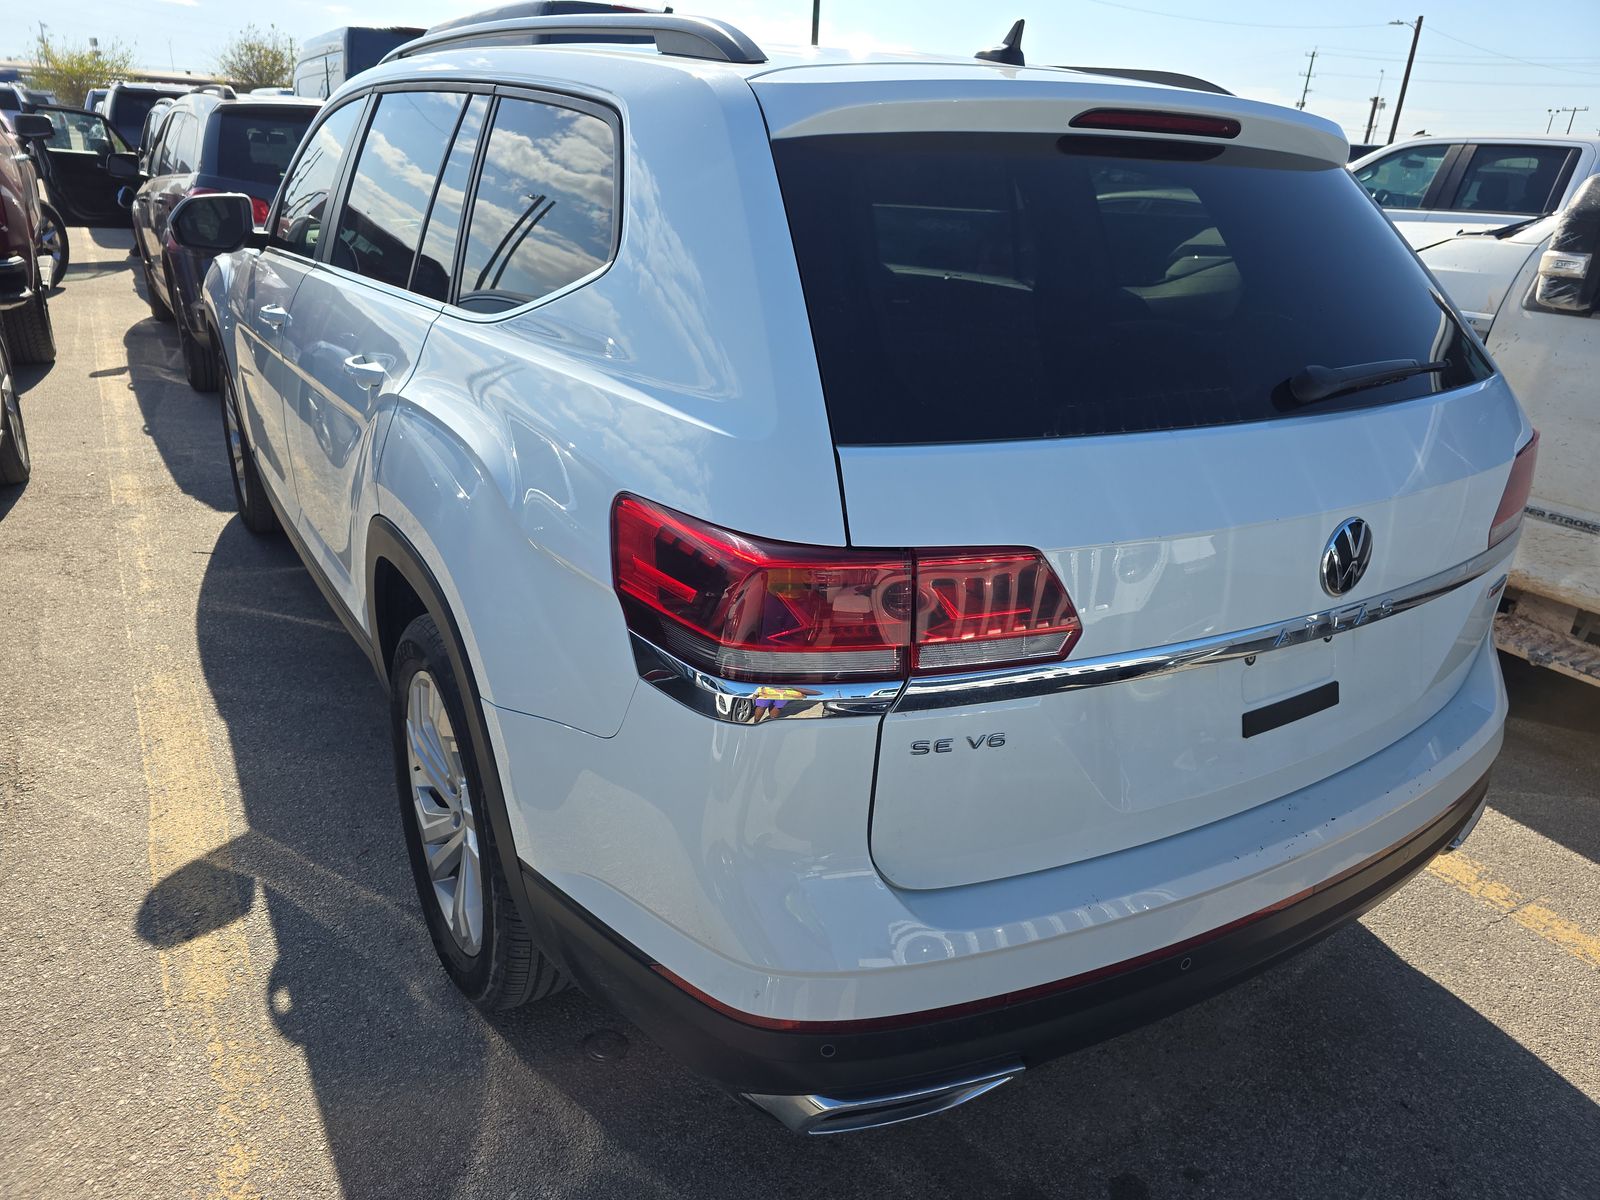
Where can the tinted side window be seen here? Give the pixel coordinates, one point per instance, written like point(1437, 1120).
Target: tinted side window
point(545, 213)
point(1511, 179)
point(381, 223)
point(304, 202)
point(181, 142)
point(431, 276)
point(161, 156)
point(1402, 179)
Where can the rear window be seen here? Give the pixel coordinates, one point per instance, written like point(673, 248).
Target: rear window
point(967, 288)
point(256, 147)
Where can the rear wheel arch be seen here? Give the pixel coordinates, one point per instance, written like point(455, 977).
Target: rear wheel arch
point(399, 582)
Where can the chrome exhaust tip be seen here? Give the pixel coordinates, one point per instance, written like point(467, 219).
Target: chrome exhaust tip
point(827, 1114)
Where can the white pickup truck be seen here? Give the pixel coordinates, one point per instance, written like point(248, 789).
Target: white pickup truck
point(1435, 188)
point(1531, 292)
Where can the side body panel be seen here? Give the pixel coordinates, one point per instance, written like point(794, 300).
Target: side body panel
point(332, 417)
point(683, 373)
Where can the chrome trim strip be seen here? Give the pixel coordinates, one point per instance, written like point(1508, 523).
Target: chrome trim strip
point(756, 703)
point(825, 1114)
point(992, 687)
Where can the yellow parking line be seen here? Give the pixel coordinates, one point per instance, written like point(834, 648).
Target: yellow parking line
point(1473, 878)
point(207, 981)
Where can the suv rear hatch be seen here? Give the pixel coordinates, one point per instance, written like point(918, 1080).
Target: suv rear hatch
point(1041, 329)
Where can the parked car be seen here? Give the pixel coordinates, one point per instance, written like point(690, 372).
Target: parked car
point(1435, 187)
point(205, 144)
point(50, 234)
point(1532, 293)
point(860, 590)
point(327, 61)
point(74, 162)
point(24, 267)
point(127, 104)
point(94, 98)
point(152, 127)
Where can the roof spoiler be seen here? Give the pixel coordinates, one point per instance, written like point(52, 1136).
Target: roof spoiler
point(1171, 78)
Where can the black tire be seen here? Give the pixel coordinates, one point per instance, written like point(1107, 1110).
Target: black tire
point(508, 969)
point(255, 510)
point(28, 331)
point(199, 362)
point(158, 306)
point(53, 243)
point(15, 464)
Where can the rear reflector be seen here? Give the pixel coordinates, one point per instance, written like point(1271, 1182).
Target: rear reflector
point(1509, 515)
point(748, 609)
point(1135, 120)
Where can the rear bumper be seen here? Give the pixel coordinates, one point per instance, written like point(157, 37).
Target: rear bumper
point(16, 281)
point(1025, 1030)
point(1199, 911)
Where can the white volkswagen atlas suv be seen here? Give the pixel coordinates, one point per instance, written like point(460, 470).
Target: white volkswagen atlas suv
point(886, 570)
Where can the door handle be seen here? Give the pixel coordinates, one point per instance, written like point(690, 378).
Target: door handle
point(365, 371)
point(273, 314)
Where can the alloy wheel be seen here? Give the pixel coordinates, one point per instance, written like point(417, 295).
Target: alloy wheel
point(50, 248)
point(442, 804)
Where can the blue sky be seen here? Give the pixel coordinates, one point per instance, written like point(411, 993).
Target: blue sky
point(1483, 67)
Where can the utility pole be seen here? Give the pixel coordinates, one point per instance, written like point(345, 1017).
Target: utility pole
point(816, 19)
point(1378, 103)
point(1416, 36)
point(1555, 112)
point(1310, 69)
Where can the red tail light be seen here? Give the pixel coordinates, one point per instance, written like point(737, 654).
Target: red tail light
point(1509, 515)
point(1136, 120)
point(748, 609)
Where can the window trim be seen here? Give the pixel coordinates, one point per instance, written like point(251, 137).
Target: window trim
point(589, 105)
point(324, 258)
point(470, 192)
point(335, 187)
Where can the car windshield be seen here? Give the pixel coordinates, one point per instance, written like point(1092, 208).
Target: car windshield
point(255, 145)
point(1000, 286)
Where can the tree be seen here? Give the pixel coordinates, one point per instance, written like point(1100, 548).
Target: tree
point(70, 71)
point(255, 59)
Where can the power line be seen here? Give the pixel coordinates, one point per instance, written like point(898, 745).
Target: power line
point(1156, 12)
point(1513, 57)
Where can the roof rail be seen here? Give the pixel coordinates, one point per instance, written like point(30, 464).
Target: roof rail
point(1172, 78)
point(685, 37)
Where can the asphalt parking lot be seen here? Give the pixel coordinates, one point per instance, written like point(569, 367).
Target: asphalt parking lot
point(215, 980)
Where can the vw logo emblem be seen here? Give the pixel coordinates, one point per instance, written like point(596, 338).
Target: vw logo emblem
point(1345, 558)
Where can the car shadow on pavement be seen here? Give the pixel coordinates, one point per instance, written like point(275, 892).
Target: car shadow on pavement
point(1343, 1072)
point(1557, 725)
point(184, 425)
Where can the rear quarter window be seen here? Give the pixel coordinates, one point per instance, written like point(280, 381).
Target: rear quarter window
point(968, 288)
point(544, 214)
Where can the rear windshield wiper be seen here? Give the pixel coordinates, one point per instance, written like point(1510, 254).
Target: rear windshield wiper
point(1312, 384)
